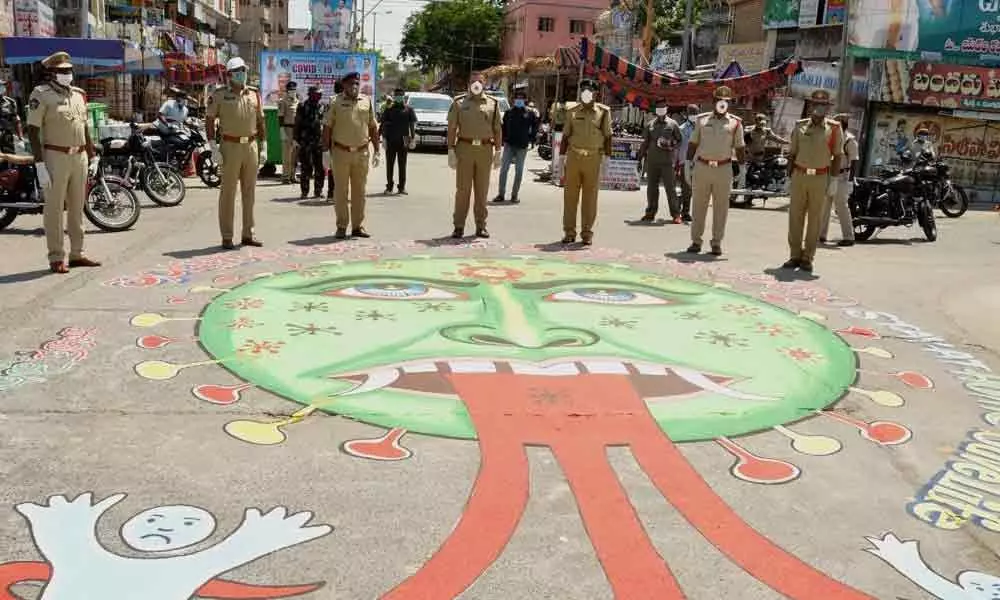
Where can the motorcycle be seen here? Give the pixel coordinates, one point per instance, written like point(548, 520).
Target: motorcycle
point(764, 179)
point(134, 160)
point(899, 199)
point(110, 204)
point(942, 193)
point(177, 145)
point(544, 142)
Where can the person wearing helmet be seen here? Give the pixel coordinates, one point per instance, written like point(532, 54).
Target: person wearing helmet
point(922, 145)
point(240, 115)
point(174, 111)
point(10, 121)
point(287, 107)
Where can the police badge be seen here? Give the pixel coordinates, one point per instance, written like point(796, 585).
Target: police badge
point(33, 104)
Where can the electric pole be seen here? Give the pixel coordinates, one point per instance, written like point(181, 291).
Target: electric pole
point(686, 41)
point(647, 35)
point(846, 67)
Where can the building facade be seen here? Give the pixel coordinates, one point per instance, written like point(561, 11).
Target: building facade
point(536, 28)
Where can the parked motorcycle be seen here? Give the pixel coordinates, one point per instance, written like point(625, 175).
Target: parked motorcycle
point(133, 159)
point(544, 141)
point(943, 194)
point(898, 199)
point(110, 204)
point(768, 178)
point(177, 145)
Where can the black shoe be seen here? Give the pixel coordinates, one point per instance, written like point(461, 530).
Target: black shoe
point(568, 239)
point(482, 233)
point(304, 195)
point(822, 240)
point(587, 240)
point(388, 189)
point(341, 234)
point(791, 263)
point(648, 218)
point(716, 250)
point(686, 218)
point(329, 198)
point(318, 194)
point(228, 245)
point(360, 233)
point(458, 233)
point(498, 199)
point(694, 249)
point(515, 200)
point(252, 242)
point(402, 191)
point(845, 243)
point(806, 267)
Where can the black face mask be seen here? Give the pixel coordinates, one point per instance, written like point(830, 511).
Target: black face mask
point(314, 97)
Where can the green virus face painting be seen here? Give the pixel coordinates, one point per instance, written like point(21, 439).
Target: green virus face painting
point(398, 343)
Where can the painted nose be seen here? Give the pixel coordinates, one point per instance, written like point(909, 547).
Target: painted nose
point(555, 337)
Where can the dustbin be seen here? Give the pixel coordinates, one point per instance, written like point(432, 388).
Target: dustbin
point(273, 135)
point(97, 115)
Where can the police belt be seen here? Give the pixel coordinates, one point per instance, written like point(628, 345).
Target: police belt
point(65, 149)
point(238, 139)
point(715, 163)
point(809, 171)
point(347, 148)
point(477, 141)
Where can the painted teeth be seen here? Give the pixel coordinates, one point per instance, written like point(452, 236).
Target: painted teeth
point(558, 369)
point(605, 367)
point(473, 366)
point(376, 380)
point(696, 378)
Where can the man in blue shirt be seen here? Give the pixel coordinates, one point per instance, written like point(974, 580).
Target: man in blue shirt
point(687, 128)
point(520, 125)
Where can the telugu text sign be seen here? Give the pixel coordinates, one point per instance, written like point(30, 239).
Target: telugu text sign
point(940, 85)
point(749, 56)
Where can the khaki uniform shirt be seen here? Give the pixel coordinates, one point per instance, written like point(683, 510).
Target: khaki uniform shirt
point(759, 137)
point(477, 118)
point(587, 127)
point(717, 137)
point(287, 107)
point(662, 139)
point(237, 111)
point(814, 146)
point(557, 112)
point(60, 114)
point(349, 120)
point(851, 153)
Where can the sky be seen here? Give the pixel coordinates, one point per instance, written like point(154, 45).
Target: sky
point(388, 19)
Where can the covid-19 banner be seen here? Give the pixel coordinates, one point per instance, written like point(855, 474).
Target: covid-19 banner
point(955, 31)
point(321, 69)
point(331, 24)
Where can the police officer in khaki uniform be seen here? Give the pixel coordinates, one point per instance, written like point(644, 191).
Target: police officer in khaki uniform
point(61, 144)
point(717, 137)
point(840, 199)
point(586, 143)
point(288, 106)
point(241, 122)
point(474, 146)
point(350, 127)
point(816, 150)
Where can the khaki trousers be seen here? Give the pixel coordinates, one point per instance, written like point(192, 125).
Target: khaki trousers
point(839, 202)
point(472, 179)
point(350, 171)
point(288, 156)
point(69, 188)
point(583, 180)
point(239, 168)
point(710, 185)
point(808, 196)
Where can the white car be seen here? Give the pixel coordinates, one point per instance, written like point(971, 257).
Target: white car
point(432, 118)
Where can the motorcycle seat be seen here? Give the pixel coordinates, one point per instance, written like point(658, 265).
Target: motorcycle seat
point(114, 143)
point(17, 159)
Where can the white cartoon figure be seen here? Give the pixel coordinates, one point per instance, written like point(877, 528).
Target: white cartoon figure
point(905, 558)
point(79, 567)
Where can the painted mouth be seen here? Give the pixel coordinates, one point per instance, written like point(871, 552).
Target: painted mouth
point(650, 380)
point(165, 539)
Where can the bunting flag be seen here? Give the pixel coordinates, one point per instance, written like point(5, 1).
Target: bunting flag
point(644, 88)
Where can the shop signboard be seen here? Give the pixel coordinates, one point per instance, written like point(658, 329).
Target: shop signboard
point(331, 22)
point(789, 14)
point(964, 32)
point(750, 56)
point(314, 68)
point(6, 17)
point(817, 75)
point(939, 85)
point(33, 18)
point(666, 58)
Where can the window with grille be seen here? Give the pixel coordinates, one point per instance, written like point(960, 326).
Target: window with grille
point(577, 27)
point(546, 24)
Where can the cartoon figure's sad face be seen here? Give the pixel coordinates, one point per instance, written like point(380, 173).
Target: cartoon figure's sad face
point(385, 342)
point(168, 528)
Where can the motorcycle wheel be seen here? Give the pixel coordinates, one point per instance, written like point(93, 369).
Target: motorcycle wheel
point(208, 171)
point(7, 216)
point(925, 216)
point(117, 213)
point(955, 203)
point(864, 232)
point(168, 190)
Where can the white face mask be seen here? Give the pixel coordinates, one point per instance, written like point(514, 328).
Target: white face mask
point(721, 107)
point(476, 88)
point(692, 118)
point(586, 96)
point(64, 79)
point(661, 112)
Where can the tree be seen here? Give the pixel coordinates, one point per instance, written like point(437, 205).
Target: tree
point(459, 35)
point(668, 20)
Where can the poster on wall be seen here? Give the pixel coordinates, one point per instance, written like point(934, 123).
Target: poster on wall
point(312, 68)
point(939, 85)
point(750, 56)
point(781, 14)
point(817, 75)
point(965, 32)
point(331, 24)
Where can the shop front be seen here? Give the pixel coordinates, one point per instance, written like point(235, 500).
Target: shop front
point(960, 107)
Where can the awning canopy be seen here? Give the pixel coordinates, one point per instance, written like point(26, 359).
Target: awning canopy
point(733, 69)
point(87, 52)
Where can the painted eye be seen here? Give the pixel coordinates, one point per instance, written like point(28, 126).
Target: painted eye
point(606, 296)
point(395, 291)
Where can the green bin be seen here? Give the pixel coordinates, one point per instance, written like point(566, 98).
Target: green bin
point(273, 135)
point(96, 113)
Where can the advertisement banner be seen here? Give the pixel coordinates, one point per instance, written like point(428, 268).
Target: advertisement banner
point(749, 56)
point(781, 14)
point(331, 24)
point(312, 68)
point(33, 19)
point(788, 14)
point(939, 85)
point(966, 32)
point(824, 75)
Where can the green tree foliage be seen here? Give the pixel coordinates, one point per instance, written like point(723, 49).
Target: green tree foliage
point(460, 35)
point(668, 18)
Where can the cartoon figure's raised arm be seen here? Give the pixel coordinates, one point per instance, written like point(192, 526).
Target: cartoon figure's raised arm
point(67, 529)
point(259, 535)
point(905, 558)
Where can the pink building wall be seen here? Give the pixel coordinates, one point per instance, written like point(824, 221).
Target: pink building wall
point(522, 38)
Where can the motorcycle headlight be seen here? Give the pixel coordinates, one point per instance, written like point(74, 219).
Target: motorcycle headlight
point(146, 143)
point(781, 162)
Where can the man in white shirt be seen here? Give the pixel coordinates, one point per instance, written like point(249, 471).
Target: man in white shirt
point(174, 111)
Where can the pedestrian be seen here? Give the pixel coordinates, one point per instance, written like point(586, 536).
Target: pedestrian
point(816, 150)
point(760, 135)
point(557, 114)
point(10, 120)
point(57, 115)
point(682, 167)
point(717, 137)
point(845, 179)
point(350, 127)
point(586, 144)
point(240, 115)
point(474, 138)
point(534, 109)
point(519, 128)
point(397, 128)
point(660, 140)
point(288, 106)
point(922, 145)
point(308, 135)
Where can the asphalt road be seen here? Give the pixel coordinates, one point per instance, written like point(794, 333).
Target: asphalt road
point(649, 425)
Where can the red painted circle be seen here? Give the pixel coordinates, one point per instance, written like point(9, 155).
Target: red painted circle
point(915, 380)
point(765, 470)
point(888, 433)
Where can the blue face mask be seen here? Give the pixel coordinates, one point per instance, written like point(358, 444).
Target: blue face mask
point(239, 77)
point(519, 103)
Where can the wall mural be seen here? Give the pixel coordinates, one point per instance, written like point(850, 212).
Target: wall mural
point(535, 351)
point(78, 566)
point(905, 558)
